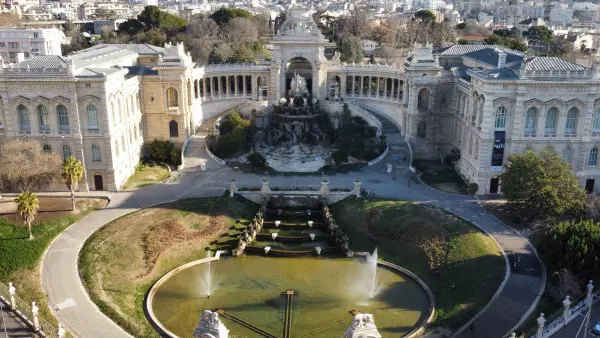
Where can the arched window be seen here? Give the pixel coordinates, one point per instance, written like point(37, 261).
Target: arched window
point(96, 153)
point(63, 118)
point(422, 130)
point(173, 129)
point(571, 124)
point(531, 121)
point(550, 126)
point(92, 114)
point(23, 117)
point(423, 99)
point(593, 160)
point(596, 121)
point(172, 99)
point(567, 154)
point(66, 152)
point(43, 118)
point(47, 149)
point(500, 119)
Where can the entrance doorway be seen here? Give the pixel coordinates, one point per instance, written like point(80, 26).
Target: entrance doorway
point(98, 184)
point(589, 185)
point(494, 182)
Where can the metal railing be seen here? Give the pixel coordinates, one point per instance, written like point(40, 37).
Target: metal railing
point(24, 310)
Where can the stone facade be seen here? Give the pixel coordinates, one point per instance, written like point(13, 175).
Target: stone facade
point(471, 99)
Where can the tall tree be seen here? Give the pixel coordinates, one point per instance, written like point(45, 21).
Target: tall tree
point(351, 50)
point(541, 184)
point(538, 35)
point(27, 207)
point(354, 23)
point(425, 16)
point(224, 14)
point(72, 173)
point(24, 166)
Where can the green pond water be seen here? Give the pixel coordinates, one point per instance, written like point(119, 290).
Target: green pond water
point(250, 289)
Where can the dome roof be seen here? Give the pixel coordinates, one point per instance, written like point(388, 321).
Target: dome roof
point(299, 24)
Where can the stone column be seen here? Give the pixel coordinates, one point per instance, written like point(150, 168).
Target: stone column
point(204, 93)
point(540, 330)
point(227, 86)
point(378, 86)
point(232, 187)
point(343, 85)
point(244, 85)
point(357, 184)
point(566, 307)
point(265, 190)
point(36, 320)
point(235, 84)
point(362, 86)
point(12, 291)
point(324, 187)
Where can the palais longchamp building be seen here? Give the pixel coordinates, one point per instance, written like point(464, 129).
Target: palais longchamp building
point(102, 103)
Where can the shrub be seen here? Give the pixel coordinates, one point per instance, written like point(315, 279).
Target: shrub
point(257, 160)
point(339, 156)
point(472, 188)
point(571, 245)
point(162, 151)
point(234, 135)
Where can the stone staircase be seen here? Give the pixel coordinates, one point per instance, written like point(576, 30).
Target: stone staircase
point(195, 153)
point(399, 154)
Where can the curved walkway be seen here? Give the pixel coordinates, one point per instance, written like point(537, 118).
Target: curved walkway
point(73, 307)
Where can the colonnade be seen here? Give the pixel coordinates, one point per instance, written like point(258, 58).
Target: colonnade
point(230, 86)
point(385, 88)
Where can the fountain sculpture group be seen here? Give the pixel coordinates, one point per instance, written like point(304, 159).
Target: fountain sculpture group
point(363, 326)
point(250, 232)
point(210, 326)
point(342, 241)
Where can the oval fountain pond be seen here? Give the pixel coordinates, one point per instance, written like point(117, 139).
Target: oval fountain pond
point(250, 288)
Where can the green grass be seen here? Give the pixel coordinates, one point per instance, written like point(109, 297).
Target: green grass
point(114, 250)
point(441, 176)
point(21, 257)
point(474, 267)
point(145, 175)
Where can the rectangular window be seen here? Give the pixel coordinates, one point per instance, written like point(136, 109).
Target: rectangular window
point(13, 45)
point(36, 35)
point(12, 55)
point(2, 44)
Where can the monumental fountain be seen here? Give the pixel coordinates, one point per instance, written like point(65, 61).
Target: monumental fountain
point(291, 279)
point(294, 134)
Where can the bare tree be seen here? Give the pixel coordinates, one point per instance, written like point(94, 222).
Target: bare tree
point(24, 166)
point(202, 28)
point(354, 23)
point(239, 30)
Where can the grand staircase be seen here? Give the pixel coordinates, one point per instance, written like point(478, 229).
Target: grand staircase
point(399, 153)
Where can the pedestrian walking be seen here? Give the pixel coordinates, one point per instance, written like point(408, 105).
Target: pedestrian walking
point(409, 180)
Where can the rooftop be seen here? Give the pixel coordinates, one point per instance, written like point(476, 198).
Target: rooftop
point(140, 48)
point(44, 61)
point(551, 63)
point(465, 49)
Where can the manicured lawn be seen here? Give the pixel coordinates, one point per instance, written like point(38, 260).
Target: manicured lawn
point(21, 257)
point(123, 259)
point(147, 174)
point(441, 176)
point(473, 267)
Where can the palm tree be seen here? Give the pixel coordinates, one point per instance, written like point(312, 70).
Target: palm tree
point(72, 173)
point(27, 207)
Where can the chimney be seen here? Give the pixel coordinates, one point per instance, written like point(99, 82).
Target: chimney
point(20, 57)
point(501, 59)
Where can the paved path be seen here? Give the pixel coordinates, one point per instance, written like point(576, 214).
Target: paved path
point(11, 325)
point(68, 298)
